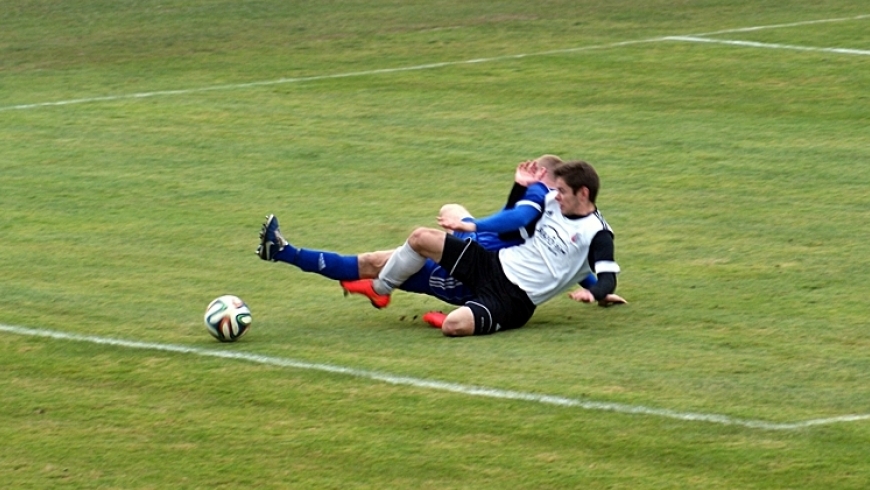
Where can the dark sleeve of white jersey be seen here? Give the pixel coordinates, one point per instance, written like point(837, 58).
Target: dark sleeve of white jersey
point(602, 249)
point(517, 193)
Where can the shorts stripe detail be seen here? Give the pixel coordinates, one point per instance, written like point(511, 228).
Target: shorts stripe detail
point(488, 325)
point(459, 259)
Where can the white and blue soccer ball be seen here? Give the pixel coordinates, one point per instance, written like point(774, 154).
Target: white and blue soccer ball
point(227, 318)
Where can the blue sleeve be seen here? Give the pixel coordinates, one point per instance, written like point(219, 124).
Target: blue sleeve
point(527, 209)
point(508, 220)
point(589, 281)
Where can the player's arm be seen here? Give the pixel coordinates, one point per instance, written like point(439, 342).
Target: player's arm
point(527, 210)
point(609, 300)
point(517, 193)
point(527, 173)
point(605, 267)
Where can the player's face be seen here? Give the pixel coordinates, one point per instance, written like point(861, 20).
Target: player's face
point(569, 201)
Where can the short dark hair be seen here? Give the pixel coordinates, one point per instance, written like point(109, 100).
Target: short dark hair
point(579, 174)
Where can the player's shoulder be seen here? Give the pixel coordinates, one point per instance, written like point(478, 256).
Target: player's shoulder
point(536, 196)
point(604, 225)
point(537, 192)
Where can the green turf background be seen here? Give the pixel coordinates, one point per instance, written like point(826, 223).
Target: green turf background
point(735, 179)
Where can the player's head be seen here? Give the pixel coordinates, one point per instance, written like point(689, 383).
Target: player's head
point(551, 163)
point(579, 182)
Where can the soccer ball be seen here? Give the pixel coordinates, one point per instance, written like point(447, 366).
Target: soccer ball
point(227, 318)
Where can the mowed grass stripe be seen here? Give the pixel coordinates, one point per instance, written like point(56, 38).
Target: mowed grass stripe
point(428, 66)
point(439, 385)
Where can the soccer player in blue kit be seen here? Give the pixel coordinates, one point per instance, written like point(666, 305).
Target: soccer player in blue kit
point(508, 227)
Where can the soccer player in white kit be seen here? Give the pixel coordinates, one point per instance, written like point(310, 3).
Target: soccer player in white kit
point(571, 240)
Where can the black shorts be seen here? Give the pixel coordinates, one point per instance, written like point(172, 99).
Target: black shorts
point(498, 303)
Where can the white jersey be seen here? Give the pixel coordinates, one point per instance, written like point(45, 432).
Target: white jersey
point(556, 256)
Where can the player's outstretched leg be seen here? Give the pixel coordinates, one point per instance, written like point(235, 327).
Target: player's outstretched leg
point(274, 247)
point(271, 240)
point(365, 288)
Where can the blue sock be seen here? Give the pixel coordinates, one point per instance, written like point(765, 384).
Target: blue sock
point(589, 281)
point(327, 264)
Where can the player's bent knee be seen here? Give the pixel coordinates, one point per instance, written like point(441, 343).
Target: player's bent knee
point(426, 240)
point(459, 323)
point(418, 235)
point(371, 263)
point(455, 209)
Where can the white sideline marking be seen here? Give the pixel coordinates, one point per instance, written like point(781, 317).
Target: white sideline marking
point(438, 385)
point(235, 86)
point(753, 44)
point(143, 95)
point(781, 26)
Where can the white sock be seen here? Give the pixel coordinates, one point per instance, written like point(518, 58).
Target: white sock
point(402, 264)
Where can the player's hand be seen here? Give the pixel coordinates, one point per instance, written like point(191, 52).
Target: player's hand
point(582, 295)
point(450, 221)
point(612, 300)
point(528, 173)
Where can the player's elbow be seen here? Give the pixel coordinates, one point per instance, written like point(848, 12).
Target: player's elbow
point(457, 324)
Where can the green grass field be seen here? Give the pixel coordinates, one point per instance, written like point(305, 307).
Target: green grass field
point(142, 143)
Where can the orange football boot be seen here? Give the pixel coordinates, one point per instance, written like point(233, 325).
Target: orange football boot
point(434, 318)
point(365, 288)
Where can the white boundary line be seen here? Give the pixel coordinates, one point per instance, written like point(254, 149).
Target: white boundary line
point(753, 44)
point(158, 93)
point(235, 86)
point(781, 26)
point(438, 385)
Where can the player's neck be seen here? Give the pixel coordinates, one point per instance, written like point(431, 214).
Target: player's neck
point(581, 210)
